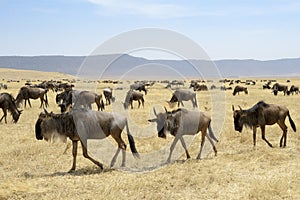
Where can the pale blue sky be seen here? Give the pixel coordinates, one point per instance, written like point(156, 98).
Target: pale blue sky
point(226, 29)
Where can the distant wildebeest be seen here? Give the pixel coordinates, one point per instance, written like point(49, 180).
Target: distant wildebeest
point(198, 87)
point(139, 86)
point(77, 98)
point(26, 93)
point(293, 89)
point(260, 115)
point(183, 95)
point(108, 95)
point(7, 102)
point(184, 122)
point(133, 96)
point(82, 124)
point(4, 86)
point(239, 89)
point(278, 88)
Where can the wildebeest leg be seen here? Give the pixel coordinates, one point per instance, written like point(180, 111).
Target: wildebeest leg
point(203, 133)
point(42, 101)
point(254, 135)
point(213, 145)
point(284, 135)
point(131, 104)
point(139, 103)
point(74, 152)
point(113, 160)
point(4, 115)
point(143, 102)
point(85, 154)
point(184, 146)
point(116, 134)
point(28, 103)
point(172, 147)
point(263, 135)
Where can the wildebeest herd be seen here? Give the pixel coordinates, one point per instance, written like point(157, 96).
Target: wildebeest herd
point(77, 116)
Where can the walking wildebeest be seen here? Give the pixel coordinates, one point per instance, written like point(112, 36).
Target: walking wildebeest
point(260, 115)
point(184, 122)
point(139, 86)
point(27, 92)
point(279, 87)
point(133, 96)
point(183, 95)
point(83, 124)
point(108, 95)
point(239, 89)
point(7, 102)
point(77, 98)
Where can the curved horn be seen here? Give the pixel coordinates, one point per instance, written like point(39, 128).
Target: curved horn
point(154, 112)
point(46, 112)
point(232, 107)
point(165, 109)
point(240, 108)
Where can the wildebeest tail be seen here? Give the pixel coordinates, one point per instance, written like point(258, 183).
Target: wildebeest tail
point(211, 134)
point(195, 99)
point(131, 142)
point(38, 130)
point(292, 122)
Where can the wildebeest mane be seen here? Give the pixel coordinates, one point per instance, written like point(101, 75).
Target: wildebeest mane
point(252, 114)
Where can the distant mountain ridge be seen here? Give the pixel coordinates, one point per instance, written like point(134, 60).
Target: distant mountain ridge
point(120, 64)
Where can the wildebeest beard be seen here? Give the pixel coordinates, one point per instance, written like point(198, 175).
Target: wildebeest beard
point(249, 118)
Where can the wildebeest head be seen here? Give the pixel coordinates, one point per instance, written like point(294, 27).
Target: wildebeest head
point(237, 117)
point(47, 127)
point(16, 115)
point(161, 121)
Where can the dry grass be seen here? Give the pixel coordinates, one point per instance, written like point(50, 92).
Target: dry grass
point(31, 169)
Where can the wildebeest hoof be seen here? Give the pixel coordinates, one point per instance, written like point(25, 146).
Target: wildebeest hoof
point(71, 171)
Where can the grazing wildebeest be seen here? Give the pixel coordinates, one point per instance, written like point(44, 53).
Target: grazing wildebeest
point(26, 93)
point(239, 89)
point(7, 102)
point(184, 122)
point(108, 95)
point(279, 87)
point(133, 96)
point(260, 115)
point(82, 124)
point(139, 86)
point(293, 89)
point(197, 87)
point(77, 98)
point(183, 95)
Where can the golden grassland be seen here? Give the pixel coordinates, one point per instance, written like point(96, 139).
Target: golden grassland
point(31, 169)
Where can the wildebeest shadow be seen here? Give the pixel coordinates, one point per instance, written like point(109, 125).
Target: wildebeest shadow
point(81, 172)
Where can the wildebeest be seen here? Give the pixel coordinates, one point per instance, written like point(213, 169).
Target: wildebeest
point(82, 124)
point(77, 98)
point(133, 96)
point(197, 87)
point(108, 95)
point(260, 115)
point(184, 122)
point(293, 89)
point(139, 86)
point(26, 93)
point(7, 102)
point(279, 87)
point(239, 89)
point(180, 95)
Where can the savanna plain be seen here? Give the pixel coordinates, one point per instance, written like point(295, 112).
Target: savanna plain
point(31, 169)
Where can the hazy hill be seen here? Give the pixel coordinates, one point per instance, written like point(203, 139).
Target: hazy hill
point(117, 65)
